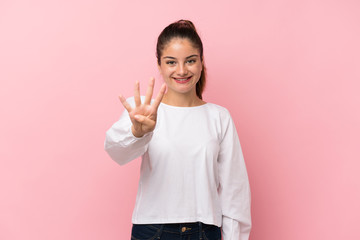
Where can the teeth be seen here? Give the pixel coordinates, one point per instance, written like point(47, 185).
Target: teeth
point(181, 79)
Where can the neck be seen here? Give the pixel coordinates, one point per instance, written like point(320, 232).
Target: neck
point(182, 100)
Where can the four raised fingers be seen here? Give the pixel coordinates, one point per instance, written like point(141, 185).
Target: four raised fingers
point(143, 123)
point(148, 96)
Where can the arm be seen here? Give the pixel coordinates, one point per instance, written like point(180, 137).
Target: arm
point(234, 188)
point(121, 144)
point(128, 138)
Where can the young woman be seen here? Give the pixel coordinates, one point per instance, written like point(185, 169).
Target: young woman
point(193, 180)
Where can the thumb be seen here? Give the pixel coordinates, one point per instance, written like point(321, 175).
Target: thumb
point(144, 120)
point(139, 118)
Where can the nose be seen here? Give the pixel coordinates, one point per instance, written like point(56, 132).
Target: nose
point(181, 70)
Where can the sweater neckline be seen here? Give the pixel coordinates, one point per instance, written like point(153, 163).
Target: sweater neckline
point(177, 107)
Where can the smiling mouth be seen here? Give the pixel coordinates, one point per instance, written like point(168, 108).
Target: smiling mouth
point(182, 80)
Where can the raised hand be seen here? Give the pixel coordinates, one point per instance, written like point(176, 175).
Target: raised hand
point(143, 115)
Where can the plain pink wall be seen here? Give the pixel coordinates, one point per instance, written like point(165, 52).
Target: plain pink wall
point(288, 71)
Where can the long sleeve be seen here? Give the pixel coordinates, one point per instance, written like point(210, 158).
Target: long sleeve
point(234, 188)
point(121, 144)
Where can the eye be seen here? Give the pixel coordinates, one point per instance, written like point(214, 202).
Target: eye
point(191, 61)
point(170, 62)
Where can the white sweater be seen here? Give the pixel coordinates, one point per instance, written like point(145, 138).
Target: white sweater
point(192, 168)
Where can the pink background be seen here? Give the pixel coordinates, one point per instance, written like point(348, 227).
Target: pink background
point(288, 71)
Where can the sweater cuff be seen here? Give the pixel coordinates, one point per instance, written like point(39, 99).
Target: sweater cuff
point(131, 139)
point(231, 229)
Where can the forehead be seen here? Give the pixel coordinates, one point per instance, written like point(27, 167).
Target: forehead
point(180, 48)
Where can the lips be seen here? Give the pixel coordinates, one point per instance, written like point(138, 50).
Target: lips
point(182, 80)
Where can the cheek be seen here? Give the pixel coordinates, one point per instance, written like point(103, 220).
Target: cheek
point(197, 69)
point(166, 71)
point(161, 70)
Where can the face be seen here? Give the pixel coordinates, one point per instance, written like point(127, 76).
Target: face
point(180, 66)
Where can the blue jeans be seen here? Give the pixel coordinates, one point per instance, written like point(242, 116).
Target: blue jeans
point(176, 231)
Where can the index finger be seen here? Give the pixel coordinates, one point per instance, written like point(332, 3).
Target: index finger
point(160, 96)
point(125, 103)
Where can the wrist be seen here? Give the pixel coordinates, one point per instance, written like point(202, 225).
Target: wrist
point(135, 133)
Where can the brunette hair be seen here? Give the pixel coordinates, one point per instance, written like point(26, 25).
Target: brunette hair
point(183, 29)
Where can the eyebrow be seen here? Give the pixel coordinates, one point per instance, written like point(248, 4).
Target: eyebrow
point(195, 55)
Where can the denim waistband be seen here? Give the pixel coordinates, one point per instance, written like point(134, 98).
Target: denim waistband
point(182, 228)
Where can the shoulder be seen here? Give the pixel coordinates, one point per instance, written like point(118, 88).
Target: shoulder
point(219, 114)
point(218, 110)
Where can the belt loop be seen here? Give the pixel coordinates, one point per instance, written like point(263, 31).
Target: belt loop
point(200, 230)
point(161, 231)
